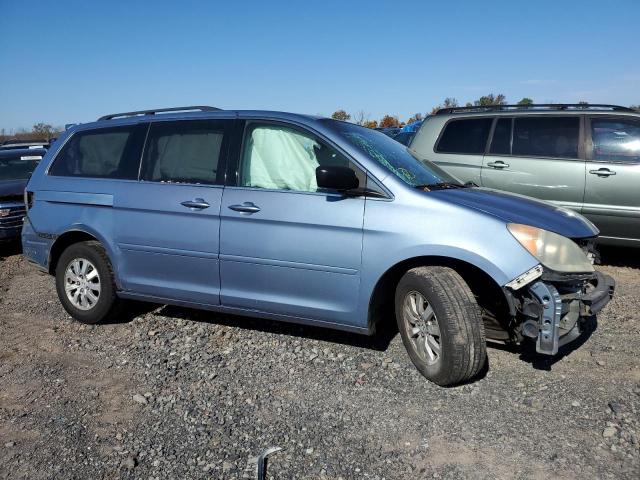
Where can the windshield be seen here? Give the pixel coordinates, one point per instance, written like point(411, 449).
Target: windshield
point(18, 167)
point(393, 156)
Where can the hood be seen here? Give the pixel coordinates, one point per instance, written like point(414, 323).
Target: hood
point(10, 188)
point(514, 208)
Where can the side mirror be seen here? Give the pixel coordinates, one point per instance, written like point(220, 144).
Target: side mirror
point(336, 178)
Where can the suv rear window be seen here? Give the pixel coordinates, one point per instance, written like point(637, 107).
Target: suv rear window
point(546, 137)
point(102, 153)
point(465, 136)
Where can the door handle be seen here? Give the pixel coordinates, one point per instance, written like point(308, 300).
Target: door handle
point(499, 164)
point(196, 203)
point(246, 207)
point(602, 172)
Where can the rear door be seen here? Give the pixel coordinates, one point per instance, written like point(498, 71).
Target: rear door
point(460, 147)
point(168, 224)
point(537, 156)
point(287, 247)
point(612, 195)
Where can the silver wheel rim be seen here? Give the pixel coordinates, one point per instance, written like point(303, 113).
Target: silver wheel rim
point(422, 327)
point(82, 283)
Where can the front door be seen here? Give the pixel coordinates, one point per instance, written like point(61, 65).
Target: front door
point(612, 197)
point(168, 224)
point(539, 157)
point(285, 246)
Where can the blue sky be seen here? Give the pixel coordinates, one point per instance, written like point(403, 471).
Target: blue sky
point(72, 61)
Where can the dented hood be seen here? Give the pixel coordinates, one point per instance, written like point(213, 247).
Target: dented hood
point(514, 208)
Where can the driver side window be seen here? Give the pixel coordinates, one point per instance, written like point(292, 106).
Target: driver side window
point(281, 158)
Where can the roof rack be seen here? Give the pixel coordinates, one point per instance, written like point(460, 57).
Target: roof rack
point(201, 108)
point(536, 106)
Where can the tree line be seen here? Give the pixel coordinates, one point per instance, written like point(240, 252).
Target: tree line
point(40, 131)
point(390, 121)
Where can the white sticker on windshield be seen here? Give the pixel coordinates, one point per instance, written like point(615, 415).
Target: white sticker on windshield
point(31, 157)
point(33, 147)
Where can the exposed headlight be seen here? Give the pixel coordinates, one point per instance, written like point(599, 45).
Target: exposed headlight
point(552, 250)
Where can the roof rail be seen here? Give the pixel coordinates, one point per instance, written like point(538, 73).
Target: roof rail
point(201, 108)
point(536, 106)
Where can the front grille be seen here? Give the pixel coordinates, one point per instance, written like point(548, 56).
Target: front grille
point(14, 219)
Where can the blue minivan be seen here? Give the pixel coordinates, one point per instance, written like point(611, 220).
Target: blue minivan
point(308, 220)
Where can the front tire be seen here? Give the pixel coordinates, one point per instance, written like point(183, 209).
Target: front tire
point(85, 283)
point(441, 325)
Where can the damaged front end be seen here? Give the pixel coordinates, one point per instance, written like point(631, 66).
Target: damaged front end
point(551, 307)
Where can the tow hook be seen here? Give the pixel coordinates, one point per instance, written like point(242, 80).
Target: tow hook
point(549, 319)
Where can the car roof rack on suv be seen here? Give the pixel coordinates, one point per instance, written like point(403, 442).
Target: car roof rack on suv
point(536, 106)
point(201, 108)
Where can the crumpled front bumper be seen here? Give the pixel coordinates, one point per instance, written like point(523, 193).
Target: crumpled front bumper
point(555, 307)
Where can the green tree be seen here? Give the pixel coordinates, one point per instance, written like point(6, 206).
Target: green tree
point(340, 115)
point(449, 102)
point(491, 99)
point(525, 101)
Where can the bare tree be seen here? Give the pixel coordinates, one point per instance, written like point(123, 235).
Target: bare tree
point(360, 117)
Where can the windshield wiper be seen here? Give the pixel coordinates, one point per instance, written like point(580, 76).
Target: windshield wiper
point(439, 186)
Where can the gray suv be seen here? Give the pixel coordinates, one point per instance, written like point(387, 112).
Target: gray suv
point(584, 157)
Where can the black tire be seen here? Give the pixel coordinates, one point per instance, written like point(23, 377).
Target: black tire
point(458, 322)
point(107, 304)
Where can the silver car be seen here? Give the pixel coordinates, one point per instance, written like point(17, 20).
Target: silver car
point(584, 157)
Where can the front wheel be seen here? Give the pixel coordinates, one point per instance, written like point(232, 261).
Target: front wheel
point(441, 325)
point(86, 284)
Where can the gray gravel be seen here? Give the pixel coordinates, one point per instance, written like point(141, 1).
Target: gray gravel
point(175, 393)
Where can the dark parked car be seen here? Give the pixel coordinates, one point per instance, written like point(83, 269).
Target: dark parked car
point(22, 144)
point(404, 137)
point(15, 169)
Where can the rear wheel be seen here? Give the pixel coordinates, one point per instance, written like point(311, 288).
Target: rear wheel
point(440, 324)
point(86, 284)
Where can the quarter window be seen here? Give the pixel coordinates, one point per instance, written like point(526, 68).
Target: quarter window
point(546, 137)
point(615, 140)
point(465, 136)
point(184, 152)
point(103, 153)
point(281, 158)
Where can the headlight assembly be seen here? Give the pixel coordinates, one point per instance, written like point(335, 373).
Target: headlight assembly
point(552, 250)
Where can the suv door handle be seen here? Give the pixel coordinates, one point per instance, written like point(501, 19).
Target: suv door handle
point(246, 207)
point(602, 172)
point(197, 203)
point(498, 164)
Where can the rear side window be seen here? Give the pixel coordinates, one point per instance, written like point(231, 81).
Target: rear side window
point(465, 136)
point(546, 137)
point(501, 142)
point(184, 152)
point(615, 140)
point(103, 153)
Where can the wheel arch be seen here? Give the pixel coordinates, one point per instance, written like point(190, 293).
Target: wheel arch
point(491, 297)
point(77, 235)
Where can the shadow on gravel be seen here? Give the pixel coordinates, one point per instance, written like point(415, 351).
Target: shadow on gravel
point(380, 341)
point(528, 352)
point(619, 256)
point(9, 249)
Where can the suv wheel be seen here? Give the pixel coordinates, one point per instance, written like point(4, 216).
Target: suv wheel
point(441, 325)
point(85, 283)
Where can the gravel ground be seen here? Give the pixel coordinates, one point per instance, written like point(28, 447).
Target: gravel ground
point(174, 393)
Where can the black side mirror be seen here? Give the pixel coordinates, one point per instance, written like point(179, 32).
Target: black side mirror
point(336, 178)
